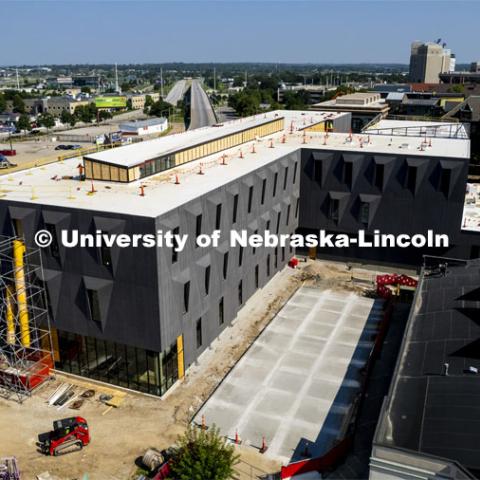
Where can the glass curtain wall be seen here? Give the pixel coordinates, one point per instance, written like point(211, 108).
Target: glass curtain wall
point(123, 365)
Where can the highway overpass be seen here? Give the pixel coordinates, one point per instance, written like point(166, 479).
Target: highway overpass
point(201, 111)
point(176, 93)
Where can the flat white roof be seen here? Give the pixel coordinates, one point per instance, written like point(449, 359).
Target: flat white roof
point(52, 184)
point(471, 208)
point(138, 153)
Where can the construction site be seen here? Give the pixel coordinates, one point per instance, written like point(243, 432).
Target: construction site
point(115, 415)
point(122, 349)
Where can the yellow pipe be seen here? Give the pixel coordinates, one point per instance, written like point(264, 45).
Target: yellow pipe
point(10, 319)
point(18, 252)
point(180, 361)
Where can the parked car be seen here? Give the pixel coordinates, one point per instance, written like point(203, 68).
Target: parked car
point(62, 147)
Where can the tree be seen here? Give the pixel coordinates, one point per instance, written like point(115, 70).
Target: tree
point(46, 120)
point(18, 104)
point(104, 115)
point(86, 90)
point(203, 454)
point(158, 109)
point(148, 101)
point(457, 89)
point(67, 117)
point(3, 103)
point(84, 113)
point(24, 122)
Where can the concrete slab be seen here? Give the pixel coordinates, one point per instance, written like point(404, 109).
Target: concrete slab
point(295, 385)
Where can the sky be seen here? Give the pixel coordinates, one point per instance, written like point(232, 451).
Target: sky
point(296, 31)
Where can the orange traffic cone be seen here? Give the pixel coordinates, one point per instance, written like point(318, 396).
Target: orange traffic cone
point(264, 447)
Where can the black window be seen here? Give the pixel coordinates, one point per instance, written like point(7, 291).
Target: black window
point(267, 225)
point(283, 254)
point(94, 306)
point(240, 256)
point(198, 227)
point(175, 231)
point(317, 171)
point(285, 178)
point(275, 257)
point(186, 296)
point(275, 179)
point(250, 199)
point(288, 216)
point(254, 249)
point(268, 265)
point(411, 178)
point(264, 187)
point(218, 216)
point(279, 214)
point(445, 181)
point(225, 265)
point(235, 208)
point(207, 280)
point(240, 292)
point(364, 213)
point(297, 207)
point(105, 255)
point(347, 173)
point(295, 172)
point(54, 250)
point(379, 174)
point(256, 277)
point(334, 207)
point(199, 332)
point(221, 315)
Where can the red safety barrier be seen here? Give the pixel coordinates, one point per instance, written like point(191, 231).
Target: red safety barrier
point(393, 279)
point(319, 464)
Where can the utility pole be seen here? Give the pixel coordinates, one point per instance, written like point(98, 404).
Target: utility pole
point(117, 88)
point(214, 79)
point(161, 82)
point(246, 79)
point(18, 81)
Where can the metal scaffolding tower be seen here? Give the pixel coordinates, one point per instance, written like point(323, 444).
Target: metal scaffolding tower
point(26, 355)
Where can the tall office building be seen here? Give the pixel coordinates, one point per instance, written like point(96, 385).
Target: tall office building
point(428, 60)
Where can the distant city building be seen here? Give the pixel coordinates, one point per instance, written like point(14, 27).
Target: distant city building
point(315, 93)
point(138, 99)
point(144, 127)
point(59, 82)
point(364, 107)
point(93, 81)
point(56, 105)
point(458, 78)
point(428, 61)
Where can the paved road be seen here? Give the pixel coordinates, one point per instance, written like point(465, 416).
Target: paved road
point(202, 114)
point(176, 93)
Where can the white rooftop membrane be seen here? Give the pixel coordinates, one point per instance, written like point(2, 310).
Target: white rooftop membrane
point(57, 184)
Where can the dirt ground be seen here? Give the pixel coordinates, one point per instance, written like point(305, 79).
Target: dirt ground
point(124, 433)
